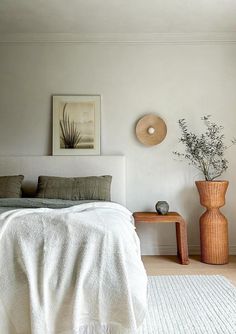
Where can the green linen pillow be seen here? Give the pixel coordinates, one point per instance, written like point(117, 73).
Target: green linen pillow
point(75, 188)
point(10, 186)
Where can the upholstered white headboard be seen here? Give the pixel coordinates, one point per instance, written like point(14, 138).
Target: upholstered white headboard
point(33, 166)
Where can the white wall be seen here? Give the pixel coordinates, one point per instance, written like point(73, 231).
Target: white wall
point(174, 81)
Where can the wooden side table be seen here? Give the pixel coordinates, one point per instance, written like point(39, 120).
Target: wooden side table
point(171, 217)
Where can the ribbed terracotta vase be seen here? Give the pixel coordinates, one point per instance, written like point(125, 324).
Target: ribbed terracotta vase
point(213, 224)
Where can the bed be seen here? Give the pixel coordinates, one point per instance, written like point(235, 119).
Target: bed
point(70, 267)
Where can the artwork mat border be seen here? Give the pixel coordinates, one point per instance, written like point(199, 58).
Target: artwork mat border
point(56, 99)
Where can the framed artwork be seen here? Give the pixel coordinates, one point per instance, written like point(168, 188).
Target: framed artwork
point(76, 124)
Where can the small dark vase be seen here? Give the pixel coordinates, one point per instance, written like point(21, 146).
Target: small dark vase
point(162, 207)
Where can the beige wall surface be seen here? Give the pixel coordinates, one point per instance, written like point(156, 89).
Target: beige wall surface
point(174, 81)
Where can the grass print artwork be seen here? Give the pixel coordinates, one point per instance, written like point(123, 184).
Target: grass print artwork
point(76, 125)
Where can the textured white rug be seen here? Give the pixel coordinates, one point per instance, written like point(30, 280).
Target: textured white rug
point(191, 305)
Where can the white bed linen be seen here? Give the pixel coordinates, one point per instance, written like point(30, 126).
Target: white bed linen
point(71, 271)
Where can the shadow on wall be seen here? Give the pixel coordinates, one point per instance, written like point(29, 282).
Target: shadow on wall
point(191, 206)
point(186, 203)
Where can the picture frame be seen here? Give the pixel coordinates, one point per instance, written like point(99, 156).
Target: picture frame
point(76, 124)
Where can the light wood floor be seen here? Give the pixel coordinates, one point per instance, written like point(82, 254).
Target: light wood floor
point(168, 265)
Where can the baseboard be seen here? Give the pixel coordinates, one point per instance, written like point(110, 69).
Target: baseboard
point(171, 250)
point(232, 250)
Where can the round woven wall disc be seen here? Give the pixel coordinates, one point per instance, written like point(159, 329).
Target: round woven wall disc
point(151, 130)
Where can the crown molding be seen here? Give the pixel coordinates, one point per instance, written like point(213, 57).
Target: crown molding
point(110, 38)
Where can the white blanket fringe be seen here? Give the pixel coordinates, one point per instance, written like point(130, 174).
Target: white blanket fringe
point(101, 329)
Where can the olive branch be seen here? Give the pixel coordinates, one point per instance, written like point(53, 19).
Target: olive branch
point(205, 151)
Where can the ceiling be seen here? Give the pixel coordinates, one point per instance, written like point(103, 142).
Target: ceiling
point(117, 16)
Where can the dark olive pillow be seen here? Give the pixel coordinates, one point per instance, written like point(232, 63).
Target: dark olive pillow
point(10, 186)
point(75, 188)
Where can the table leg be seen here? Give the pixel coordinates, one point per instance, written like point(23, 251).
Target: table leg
point(182, 242)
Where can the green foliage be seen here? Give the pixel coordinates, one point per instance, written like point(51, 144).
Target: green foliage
point(205, 151)
point(70, 134)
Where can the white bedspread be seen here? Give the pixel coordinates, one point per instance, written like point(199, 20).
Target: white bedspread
point(70, 271)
